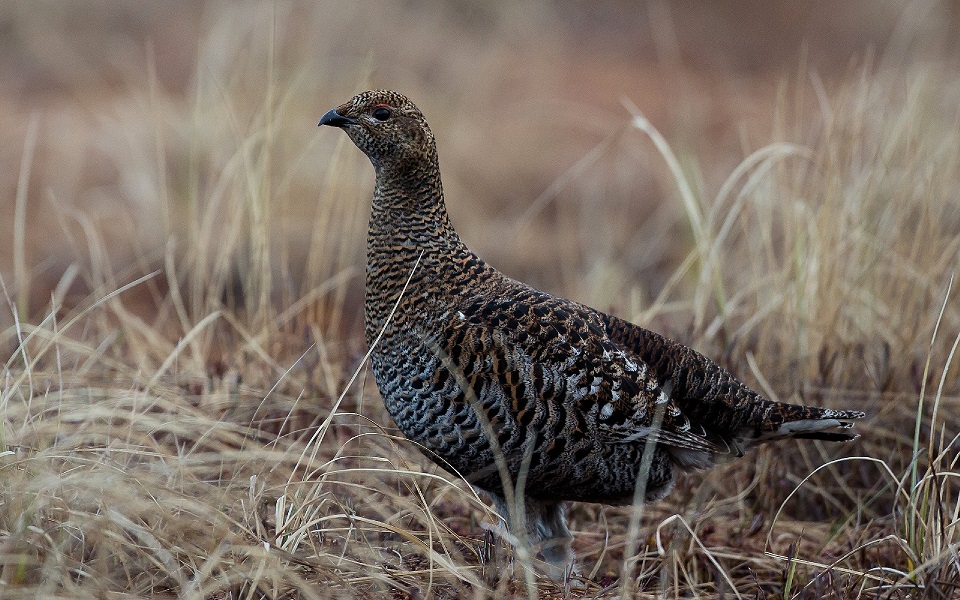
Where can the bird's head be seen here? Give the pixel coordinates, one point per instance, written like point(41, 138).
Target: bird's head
point(387, 127)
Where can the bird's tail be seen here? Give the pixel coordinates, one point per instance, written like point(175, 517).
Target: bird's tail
point(781, 421)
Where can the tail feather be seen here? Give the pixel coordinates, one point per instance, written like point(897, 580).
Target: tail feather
point(807, 422)
point(827, 436)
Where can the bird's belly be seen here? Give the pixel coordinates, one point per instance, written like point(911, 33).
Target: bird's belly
point(429, 407)
point(556, 458)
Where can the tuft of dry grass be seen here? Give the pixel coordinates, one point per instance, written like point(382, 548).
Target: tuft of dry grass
point(188, 414)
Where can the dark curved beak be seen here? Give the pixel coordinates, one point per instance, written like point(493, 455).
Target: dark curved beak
point(335, 119)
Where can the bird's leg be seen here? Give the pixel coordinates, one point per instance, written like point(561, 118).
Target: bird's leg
point(545, 525)
point(554, 539)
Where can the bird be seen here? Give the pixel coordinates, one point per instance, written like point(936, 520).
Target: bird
point(532, 398)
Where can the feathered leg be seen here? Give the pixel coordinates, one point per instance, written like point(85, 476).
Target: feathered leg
point(545, 525)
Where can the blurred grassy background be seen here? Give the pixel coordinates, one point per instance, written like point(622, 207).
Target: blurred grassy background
point(139, 105)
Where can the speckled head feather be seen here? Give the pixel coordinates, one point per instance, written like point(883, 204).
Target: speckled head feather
point(392, 132)
point(387, 127)
point(481, 370)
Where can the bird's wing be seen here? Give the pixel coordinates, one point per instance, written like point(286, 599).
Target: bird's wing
point(543, 352)
point(708, 394)
point(652, 411)
point(705, 390)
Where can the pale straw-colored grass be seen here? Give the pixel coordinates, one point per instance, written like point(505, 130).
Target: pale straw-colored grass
point(197, 421)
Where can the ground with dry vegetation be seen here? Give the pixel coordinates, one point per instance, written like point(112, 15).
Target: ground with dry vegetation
point(185, 409)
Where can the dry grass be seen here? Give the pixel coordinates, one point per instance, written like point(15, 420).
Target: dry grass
point(185, 410)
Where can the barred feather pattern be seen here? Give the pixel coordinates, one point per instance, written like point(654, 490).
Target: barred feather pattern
point(473, 365)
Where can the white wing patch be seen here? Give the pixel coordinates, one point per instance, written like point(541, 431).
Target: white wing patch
point(607, 411)
point(665, 392)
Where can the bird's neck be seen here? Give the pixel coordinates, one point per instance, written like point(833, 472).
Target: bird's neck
point(408, 207)
point(410, 237)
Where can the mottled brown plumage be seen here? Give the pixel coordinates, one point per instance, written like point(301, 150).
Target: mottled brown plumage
point(474, 366)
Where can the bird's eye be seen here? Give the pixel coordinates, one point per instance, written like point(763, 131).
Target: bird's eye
point(381, 114)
